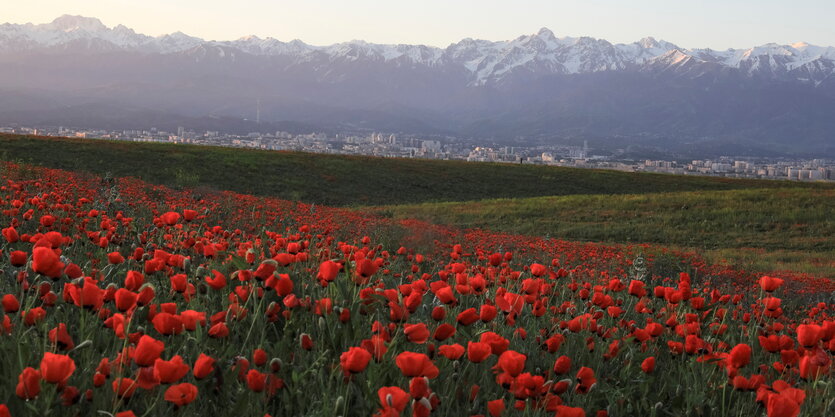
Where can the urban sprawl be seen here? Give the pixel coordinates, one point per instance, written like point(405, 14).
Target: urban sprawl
point(390, 145)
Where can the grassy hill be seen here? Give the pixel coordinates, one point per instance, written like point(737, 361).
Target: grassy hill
point(763, 229)
point(344, 180)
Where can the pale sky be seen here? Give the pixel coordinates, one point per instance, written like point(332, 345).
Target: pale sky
point(717, 24)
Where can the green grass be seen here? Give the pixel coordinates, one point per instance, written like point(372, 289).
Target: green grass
point(343, 180)
point(763, 229)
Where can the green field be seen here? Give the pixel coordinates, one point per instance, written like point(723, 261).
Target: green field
point(343, 180)
point(760, 229)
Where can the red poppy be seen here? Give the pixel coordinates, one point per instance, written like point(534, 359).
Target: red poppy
point(637, 289)
point(181, 394)
point(134, 280)
point(124, 387)
point(11, 235)
point(443, 332)
point(393, 398)
point(168, 324)
point(170, 218)
point(365, 268)
point(495, 407)
point(189, 215)
point(259, 357)
point(512, 362)
point(566, 411)
point(61, 337)
point(553, 343)
point(328, 270)
point(413, 364)
point(770, 284)
point(562, 365)
point(497, 343)
point(115, 258)
point(808, 335)
point(265, 270)
point(585, 380)
point(478, 352)
point(467, 317)
point(18, 258)
point(648, 365)
point(203, 366)
point(779, 405)
point(56, 368)
point(487, 312)
point(416, 333)
point(125, 299)
point(33, 316)
point(510, 302)
point(814, 364)
point(217, 281)
point(46, 262)
point(28, 384)
point(740, 356)
point(10, 303)
point(452, 352)
point(170, 371)
point(445, 294)
point(147, 350)
point(256, 381)
point(219, 330)
point(179, 283)
point(147, 378)
point(306, 341)
point(354, 360)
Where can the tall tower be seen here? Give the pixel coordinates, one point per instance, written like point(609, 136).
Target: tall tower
point(585, 149)
point(258, 111)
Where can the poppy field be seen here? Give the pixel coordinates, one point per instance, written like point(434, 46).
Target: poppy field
point(124, 298)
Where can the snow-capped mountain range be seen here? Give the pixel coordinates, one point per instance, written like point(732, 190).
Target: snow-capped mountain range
point(485, 62)
point(537, 88)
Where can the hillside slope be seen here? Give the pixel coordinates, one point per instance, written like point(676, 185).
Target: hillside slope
point(763, 229)
point(343, 180)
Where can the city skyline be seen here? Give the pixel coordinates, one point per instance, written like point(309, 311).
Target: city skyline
point(389, 145)
point(439, 24)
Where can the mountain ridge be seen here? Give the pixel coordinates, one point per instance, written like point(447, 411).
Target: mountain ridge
point(487, 61)
point(533, 89)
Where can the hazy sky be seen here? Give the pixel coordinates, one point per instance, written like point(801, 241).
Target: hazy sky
point(717, 24)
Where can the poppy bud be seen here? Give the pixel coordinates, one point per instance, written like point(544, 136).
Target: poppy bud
point(275, 365)
point(338, 403)
point(83, 344)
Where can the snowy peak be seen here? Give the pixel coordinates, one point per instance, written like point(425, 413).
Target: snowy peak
point(173, 42)
point(545, 33)
point(68, 23)
point(674, 57)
